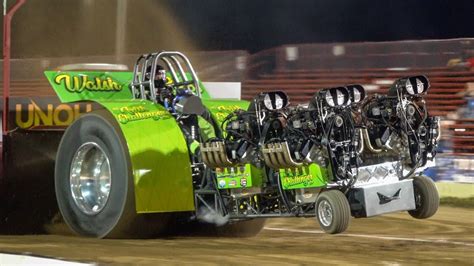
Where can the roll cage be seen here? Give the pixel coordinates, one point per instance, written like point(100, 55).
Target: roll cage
point(181, 72)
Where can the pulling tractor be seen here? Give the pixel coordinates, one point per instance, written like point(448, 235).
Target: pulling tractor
point(149, 156)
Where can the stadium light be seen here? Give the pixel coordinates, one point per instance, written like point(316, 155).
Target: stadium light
point(121, 28)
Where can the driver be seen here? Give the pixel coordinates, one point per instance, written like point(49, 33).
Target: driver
point(164, 93)
point(166, 96)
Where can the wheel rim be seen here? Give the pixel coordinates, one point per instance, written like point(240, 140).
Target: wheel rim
point(325, 213)
point(90, 178)
point(418, 198)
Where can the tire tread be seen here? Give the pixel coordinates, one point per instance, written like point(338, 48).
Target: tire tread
point(341, 210)
point(429, 193)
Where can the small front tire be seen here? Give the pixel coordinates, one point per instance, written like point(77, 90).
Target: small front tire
point(333, 211)
point(426, 197)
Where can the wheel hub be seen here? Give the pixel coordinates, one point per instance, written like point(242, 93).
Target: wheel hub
point(325, 212)
point(90, 178)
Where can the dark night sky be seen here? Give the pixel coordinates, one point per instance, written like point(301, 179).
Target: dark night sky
point(257, 24)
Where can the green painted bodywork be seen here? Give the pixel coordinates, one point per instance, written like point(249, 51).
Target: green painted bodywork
point(245, 176)
point(161, 184)
point(158, 151)
point(73, 86)
point(206, 129)
point(93, 85)
point(161, 165)
point(308, 176)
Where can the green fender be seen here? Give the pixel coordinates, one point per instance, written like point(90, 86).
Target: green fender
point(159, 156)
point(157, 147)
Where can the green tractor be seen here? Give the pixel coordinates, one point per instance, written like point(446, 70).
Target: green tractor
point(157, 151)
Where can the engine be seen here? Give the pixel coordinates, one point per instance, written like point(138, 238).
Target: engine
point(397, 126)
point(246, 131)
point(273, 158)
point(270, 134)
point(324, 131)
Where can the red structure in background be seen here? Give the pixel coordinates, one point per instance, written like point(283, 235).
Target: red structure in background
point(7, 19)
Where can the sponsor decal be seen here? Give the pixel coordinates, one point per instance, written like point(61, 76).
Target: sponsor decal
point(135, 113)
point(222, 183)
point(383, 199)
point(232, 183)
point(222, 111)
point(305, 180)
point(80, 83)
point(243, 182)
point(170, 82)
point(228, 108)
point(53, 115)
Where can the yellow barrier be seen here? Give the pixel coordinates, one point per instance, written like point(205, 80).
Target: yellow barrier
point(457, 190)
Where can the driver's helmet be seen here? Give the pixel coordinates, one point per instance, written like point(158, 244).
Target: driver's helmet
point(160, 76)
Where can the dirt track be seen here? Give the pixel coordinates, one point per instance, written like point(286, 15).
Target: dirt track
point(397, 239)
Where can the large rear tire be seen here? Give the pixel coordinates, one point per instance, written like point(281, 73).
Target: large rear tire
point(94, 181)
point(333, 211)
point(426, 197)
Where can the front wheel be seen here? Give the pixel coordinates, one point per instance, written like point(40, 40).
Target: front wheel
point(426, 197)
point(333, 211)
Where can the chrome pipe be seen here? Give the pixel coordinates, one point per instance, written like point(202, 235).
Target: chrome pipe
point(367, 140)
point(136, 80)
point(180, 68)
point(439, 130)
point(171, 68)
point(361, 142)
point(142, 79)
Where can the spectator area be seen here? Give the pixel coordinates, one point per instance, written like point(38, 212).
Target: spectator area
point(460, 133)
